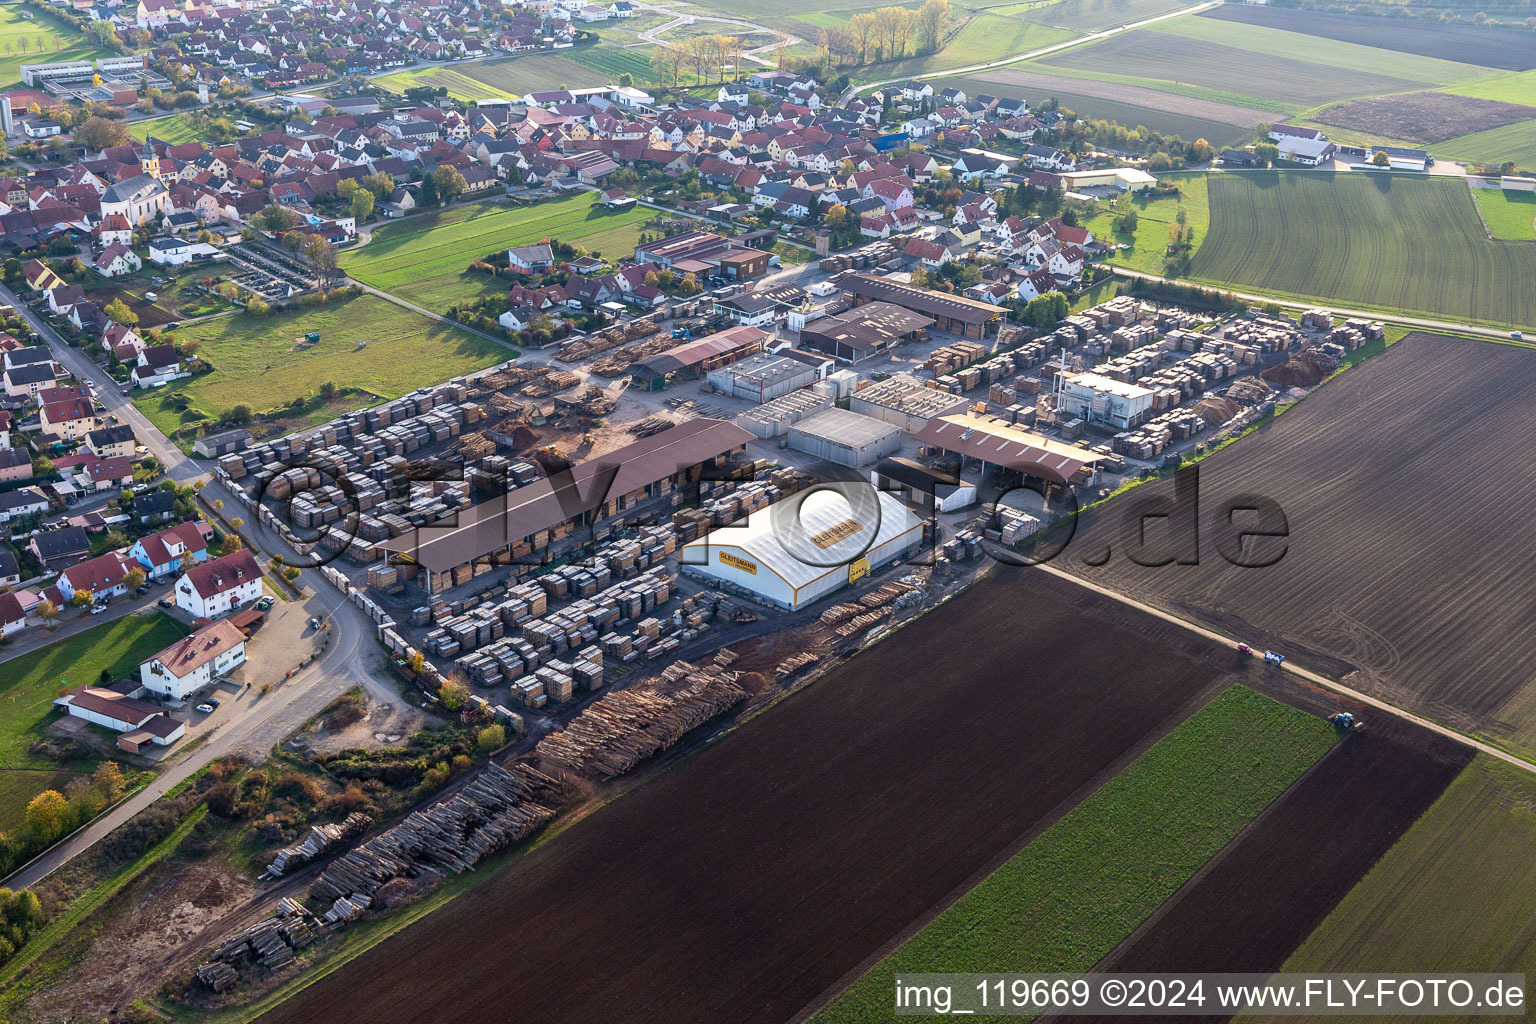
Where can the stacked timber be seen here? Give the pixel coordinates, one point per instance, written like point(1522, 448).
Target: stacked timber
point(621, 729)
point(320, 840)
point(490, 811)
point(271, 943)
point(862, 622)
point(794, 663)
point(840, 613)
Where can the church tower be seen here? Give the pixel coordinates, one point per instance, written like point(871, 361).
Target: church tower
point(148, 162)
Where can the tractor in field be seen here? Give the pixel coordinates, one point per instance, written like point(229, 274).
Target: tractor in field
point(1346, 721)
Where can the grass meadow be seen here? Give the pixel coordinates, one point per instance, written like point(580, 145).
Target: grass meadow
point(365, 342)
point(424, 258)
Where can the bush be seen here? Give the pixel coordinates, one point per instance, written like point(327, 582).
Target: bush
point(220, 798)
point(490, 738)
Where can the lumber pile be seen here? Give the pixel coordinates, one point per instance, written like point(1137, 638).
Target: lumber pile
point(623, 728)
point(549, 383)
point(320, 840)
point(492, 810)
point(475, 447)
point(884, 595)
point(840, 613)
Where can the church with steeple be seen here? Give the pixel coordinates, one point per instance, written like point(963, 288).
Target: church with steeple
point(142, 197)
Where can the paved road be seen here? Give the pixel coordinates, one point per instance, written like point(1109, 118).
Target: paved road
point(1412, 321)
point(1299, 672)
point(109, 392)
point(854, 90)
point(292, 701)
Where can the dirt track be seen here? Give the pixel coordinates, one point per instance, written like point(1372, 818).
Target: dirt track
point(742, 884)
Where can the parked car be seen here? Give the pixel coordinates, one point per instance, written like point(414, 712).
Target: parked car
point(206, 709)
point(166, 602)
point(265, 604)
point(314, 622)
point(213, 701)
point(97, 609)
point(142, 589)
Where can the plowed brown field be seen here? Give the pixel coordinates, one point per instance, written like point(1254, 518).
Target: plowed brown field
point(1407, 484)
point(742, 883)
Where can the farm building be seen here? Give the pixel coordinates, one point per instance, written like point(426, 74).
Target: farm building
point(905, 402)
point(844, 437)
point(762, 377)
point(923, 486)
point(803, 548)
point(530, 518)
point(952, 313)
point(704, 252)
point(139, 722)
point(694, 359)
point(1401, 159)
point(864, 331)
point(1307, 152)
point(773, 419)
point(1124, 179)
point(994, 442)
point(1100, 399)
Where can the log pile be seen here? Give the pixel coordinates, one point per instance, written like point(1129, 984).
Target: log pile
point(271, 943)
point(476, 446)
point(840, 613)
point(555, 380)
point(794, 663)
point(884, 595)
point(321, 839)
point(492, 810)
point(860, 622)
point(650, 425)
point(623, 728)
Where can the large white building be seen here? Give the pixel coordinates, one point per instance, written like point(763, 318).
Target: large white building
point(194, 661)
point(803, 548)
point(1100, 399)
point(219, 586)
point(140, 723)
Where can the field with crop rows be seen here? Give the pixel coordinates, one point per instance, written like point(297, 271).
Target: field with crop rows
point(1154, 57)
point(424, 258)
point(1459, 889)
point(1256, 903)
point(1490, 46)
point(1383, 242)
point(459, 85)
point(1515, 142)
point(175, 130)
point(1507, 214)
point(746, 888)
point(614, 61)
point(263, 362)
point(1186, 116)
point(1403, 574)
point(1127, 848)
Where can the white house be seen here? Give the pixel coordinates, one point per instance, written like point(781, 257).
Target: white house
point(157, 365)
point(194, 661)
point(13, 616)
point(162, 554)
point(220, 585)
point(117, 260)
point(170, 252)
point(100, 577)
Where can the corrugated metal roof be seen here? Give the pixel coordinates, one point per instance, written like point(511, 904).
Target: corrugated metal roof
point(1003, 444)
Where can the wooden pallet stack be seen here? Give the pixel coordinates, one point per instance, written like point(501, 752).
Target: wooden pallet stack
point(624, 728)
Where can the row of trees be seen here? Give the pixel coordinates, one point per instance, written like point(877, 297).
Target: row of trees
point(888, 33)
point(704, 56)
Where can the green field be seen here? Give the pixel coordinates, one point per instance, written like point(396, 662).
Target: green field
point(459, 85)
point(1155, 218)
point(985, 37)
point(508, 77)
point(1091, 15)
point(258, 362)
point(423, 258)
point(1089, 880)
point(1507, 214)
point(31, 682)
point(1515, 142)
point(1456, 893)
point(175, 129)
point(1388, 242)
point(1235, 74)
point(38, 40)
point(1319, 50)
point(1510, 87)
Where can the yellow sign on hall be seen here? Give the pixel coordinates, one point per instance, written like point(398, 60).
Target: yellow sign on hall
point(858, 569)
point(738, 563)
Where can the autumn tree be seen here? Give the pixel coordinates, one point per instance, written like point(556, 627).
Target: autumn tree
point(865, 29)
point(99, 133)
point(931, 19)
point(119, 313)
point(450, 183)
point(322, 254)
point(453, 693)
point(133, 579)
point(362, 205)
point(48, 815)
